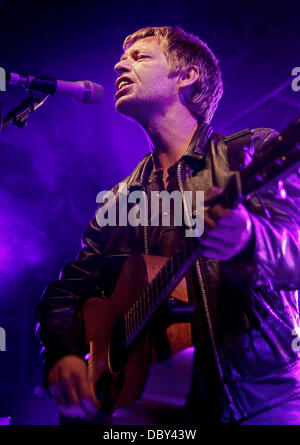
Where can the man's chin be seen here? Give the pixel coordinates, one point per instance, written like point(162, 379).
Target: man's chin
point(125, 106)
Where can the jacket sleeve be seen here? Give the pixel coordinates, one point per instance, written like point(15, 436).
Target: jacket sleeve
point(60, 325)
point(59, 320)
point(272, 257)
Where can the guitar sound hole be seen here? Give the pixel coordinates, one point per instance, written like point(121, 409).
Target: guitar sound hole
point(118, 351)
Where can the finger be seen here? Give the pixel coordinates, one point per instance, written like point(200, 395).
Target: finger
point(211, 194)
point(72, 407)
point(87, 396)
point(209, 222)
point(89, 406)
point(217, 212)
point(69, 389)
point(73, 411)
point(63, 402)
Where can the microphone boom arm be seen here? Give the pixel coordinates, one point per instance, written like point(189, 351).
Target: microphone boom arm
point(19, 115)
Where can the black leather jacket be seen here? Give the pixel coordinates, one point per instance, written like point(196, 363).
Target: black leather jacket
point(252, 299)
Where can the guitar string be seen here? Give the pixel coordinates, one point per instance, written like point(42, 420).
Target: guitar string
point(159, 282)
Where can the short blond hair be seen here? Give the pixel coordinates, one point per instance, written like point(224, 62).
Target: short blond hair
point(183, 50)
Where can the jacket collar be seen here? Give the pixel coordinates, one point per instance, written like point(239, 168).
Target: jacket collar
point(198, 146)
point(194, 157)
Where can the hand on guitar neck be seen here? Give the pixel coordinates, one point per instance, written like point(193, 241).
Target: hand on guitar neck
point(227, 231)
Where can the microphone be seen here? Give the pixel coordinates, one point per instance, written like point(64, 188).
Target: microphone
point(85, 91)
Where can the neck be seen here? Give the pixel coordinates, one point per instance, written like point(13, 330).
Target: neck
point(169, 135)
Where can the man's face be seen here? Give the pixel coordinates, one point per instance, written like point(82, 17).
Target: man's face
point(147, 89)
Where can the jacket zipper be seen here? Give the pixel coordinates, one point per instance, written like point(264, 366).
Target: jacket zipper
point(226, 416)
point(145, 228)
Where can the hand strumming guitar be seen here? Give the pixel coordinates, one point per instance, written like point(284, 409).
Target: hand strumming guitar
point(69, 384)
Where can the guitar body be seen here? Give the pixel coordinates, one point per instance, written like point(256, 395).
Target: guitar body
point(121, 383)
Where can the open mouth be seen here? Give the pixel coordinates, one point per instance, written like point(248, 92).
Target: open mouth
point(122, 82)
point(122, 85)
point(122, 90)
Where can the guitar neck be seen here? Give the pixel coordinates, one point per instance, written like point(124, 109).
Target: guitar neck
point(277, 161)
point(160, 288)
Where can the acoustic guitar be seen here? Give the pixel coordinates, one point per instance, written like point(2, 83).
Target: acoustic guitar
point(131, 382)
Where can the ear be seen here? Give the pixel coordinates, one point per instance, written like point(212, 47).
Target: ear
point(188, 77)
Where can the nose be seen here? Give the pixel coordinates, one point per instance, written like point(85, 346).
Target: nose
point(123, 66)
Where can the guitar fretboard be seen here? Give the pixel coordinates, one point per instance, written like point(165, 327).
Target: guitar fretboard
point(160, 288)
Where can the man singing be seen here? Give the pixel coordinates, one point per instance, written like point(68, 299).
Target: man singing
point(245, 369)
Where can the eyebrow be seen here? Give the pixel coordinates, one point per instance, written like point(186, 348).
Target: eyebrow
point(136, 51)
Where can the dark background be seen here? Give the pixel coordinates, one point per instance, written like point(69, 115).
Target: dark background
point(52, 170)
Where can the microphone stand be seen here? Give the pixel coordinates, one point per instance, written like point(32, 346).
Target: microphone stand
point(19, 115)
